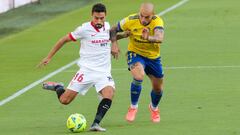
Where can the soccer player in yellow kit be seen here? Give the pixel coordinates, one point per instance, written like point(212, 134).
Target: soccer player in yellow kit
point(146, 35)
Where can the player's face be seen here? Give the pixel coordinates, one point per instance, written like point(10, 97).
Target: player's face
point(98, 19)
point(145, 18)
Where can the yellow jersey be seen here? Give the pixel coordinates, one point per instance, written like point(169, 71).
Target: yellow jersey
point(136, 43)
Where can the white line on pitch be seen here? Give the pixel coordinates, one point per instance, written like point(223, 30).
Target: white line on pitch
point(173, 7)
point(30, 86)
point(20, 92)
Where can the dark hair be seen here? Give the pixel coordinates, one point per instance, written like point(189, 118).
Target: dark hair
point(99, 7)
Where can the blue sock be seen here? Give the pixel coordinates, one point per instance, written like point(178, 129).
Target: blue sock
point(136, 88)
point(156, 97)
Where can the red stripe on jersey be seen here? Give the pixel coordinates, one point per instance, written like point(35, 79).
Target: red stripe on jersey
point(95, 27)
point(72, 38)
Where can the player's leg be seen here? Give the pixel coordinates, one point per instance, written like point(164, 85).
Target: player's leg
point(68, 96)
point(137, 71)
point(156, 95)
point(157, 91)
point(155, 73)
point(103, 107)
point(65, 96)
point(105, 88)
point(105, 104)
point(136, 66)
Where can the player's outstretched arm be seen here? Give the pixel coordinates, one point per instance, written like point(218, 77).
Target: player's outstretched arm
point(53, 51)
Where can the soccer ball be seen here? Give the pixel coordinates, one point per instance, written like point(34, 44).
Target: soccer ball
point(76, 123)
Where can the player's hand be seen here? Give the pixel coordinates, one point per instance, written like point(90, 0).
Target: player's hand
point(115, 50)
point(44, 62)
point(145, 33)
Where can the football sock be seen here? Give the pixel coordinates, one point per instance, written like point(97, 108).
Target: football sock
point(136, 87)
point(59, 90)
point(155, 97)
point(103, 107)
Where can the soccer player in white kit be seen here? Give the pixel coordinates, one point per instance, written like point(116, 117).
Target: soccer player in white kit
point(94, 63)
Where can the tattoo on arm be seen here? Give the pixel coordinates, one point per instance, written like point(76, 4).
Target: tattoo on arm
point(157, 37)
point(113, 34)
point(121, 35)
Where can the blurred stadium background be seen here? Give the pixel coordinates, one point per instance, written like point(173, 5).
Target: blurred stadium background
point(200, 55)
point(7, 5)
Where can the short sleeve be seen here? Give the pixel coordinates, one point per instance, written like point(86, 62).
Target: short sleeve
point(77, 34)
point(123, 24)
point(158, 23)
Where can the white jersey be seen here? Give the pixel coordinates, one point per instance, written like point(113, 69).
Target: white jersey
point(95, 50)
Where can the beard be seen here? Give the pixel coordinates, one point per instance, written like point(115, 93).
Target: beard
point(99, 26)
point(145, 23)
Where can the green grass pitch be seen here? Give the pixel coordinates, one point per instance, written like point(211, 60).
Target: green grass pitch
point(201, 96)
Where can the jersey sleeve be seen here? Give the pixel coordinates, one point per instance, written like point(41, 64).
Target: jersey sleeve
point(158, 23)
point(123, 24)
point(78, 33)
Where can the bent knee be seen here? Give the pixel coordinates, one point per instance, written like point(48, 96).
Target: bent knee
point(138, 74)
point(158, 87)
point(109, 95)
point(107, 92)
point(139, 77)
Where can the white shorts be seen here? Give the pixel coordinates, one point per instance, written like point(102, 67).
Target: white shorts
point(84, 80)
